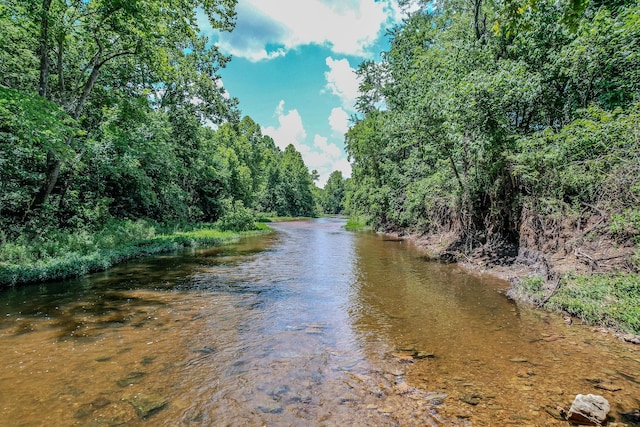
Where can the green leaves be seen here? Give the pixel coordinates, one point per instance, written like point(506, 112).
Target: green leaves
point(459, 125)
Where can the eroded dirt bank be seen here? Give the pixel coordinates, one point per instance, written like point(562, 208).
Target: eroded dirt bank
point(548, 249)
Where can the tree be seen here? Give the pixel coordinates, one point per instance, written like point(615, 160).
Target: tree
point(464, 83)
point(333, 194)
point(131, 47)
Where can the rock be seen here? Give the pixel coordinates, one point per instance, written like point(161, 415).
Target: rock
point(590, 410)
point(131, 378)
point(146, 404)
point(519, 360)
point(608, 386)
point(270, 407)
point(87, 409)
point(279, 391)
point(471, 398)
point(299, 399)
point(423, 355)
point(403, 357)
point(604, 385)
point(557, 413)
point(435, 398)
point(632, 416)
point(148, 360)
point(634, 339)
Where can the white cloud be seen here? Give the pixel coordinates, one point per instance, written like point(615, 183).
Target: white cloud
point(323, 156)
point(339, 121)
point(342, 81)
point(267, 29)
point(330, 150)
point(290, 129)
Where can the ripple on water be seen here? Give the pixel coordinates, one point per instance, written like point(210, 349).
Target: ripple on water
point(310, 326)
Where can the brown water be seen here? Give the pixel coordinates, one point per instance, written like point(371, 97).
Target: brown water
point(309, 326)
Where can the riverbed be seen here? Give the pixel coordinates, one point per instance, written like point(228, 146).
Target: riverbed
point(309, 325)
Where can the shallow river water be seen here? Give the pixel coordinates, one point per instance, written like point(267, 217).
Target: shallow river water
point(308, 326)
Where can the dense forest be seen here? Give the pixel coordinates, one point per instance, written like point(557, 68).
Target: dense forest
point(509, 129)
point(114, 121)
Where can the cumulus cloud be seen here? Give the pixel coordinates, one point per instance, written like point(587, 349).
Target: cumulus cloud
point(339, 121)
point(323, 156)
point(342, 82)
point(267, 29)
point(290, 129)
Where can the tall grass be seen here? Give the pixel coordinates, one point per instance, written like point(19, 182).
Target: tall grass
point(57, 255)
point(355, 222)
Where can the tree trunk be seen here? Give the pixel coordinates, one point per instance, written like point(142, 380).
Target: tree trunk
point(44, 50)
point(53, 171)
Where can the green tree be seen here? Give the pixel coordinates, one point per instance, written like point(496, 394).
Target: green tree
point(333, 194)
point(129, 48)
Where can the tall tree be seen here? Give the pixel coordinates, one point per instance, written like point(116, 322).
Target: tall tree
point(130, 46)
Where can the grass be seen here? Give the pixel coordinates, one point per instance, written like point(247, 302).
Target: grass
point(355, 223)
point(611, 300)
point(273, 217)
point(60, 255)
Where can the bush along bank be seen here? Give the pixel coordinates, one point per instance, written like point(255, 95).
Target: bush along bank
point(58, 255)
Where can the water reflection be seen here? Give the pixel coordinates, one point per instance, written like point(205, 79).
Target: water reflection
point(311, 325)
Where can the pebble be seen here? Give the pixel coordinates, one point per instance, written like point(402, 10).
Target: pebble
point(269, 407)
point(471, 398)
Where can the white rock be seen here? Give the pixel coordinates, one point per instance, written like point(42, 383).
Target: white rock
point(590, 410)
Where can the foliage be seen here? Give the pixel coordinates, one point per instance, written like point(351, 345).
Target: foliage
point(114, 111)
point(480, 107)
point(57, 255)
point(237, 218)
point(355, 223)
point(483, 112)
point(608, 300)
point(331, 200)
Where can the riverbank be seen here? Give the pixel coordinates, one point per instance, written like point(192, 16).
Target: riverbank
point(603, 299)
point(62, 255)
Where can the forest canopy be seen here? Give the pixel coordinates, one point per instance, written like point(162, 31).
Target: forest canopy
point(115, 109)
point(485, 115)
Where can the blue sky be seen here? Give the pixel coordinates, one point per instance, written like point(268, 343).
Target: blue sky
point(293, 69)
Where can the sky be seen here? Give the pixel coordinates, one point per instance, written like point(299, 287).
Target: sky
point(293, 69)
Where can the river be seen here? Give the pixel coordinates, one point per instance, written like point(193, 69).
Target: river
point(310, 325)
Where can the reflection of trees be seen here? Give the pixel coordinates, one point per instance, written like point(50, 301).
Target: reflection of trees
point(407, 300)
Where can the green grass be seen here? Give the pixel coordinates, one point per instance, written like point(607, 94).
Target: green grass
point(611, 300)
point(60, 255)
point(273, 217)
point(355, 223)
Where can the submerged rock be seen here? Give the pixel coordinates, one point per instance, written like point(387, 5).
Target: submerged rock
point(471, 398)
point(269, 407)
point(146, 404)
point(423, 355)
point(87, 409)
point(131, 378)
point(632, 416)
point(590, 410)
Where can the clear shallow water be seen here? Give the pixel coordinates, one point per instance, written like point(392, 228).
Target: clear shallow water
point(312, 325)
